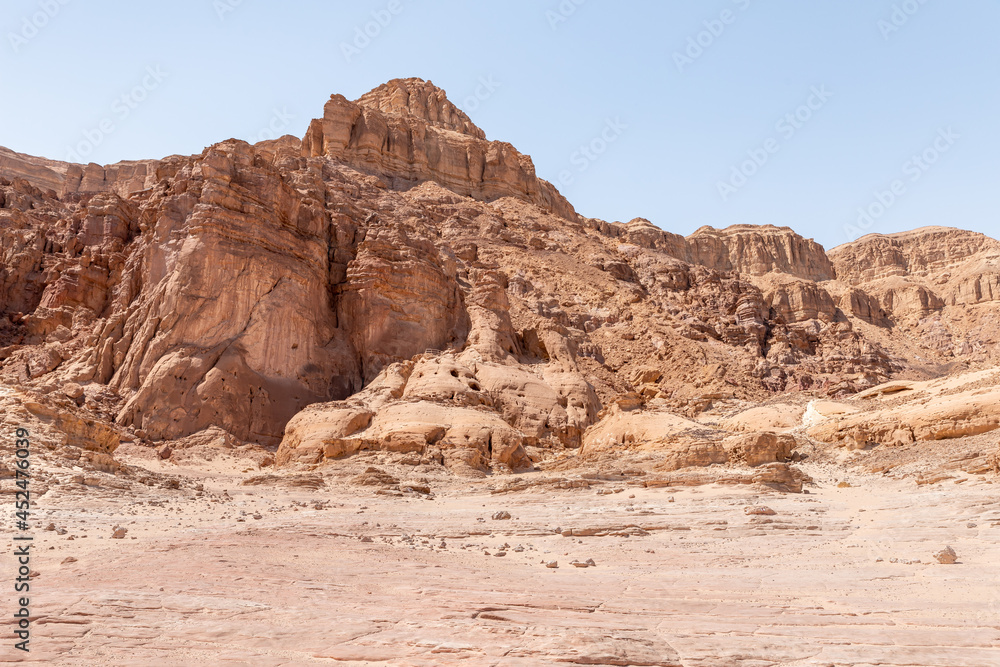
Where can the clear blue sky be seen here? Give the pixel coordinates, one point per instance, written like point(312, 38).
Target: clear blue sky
point(226, 66)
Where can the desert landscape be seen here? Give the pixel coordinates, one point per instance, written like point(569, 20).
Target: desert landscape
point(380, 395)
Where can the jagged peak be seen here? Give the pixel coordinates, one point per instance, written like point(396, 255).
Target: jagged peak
point(422, 99)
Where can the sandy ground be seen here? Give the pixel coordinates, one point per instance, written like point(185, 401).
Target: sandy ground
point(276, 575)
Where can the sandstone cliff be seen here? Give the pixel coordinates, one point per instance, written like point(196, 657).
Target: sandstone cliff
point(408, 131)
point(394, 281)
point(65, 178)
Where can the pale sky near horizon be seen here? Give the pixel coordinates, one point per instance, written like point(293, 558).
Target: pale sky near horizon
point(688, 113)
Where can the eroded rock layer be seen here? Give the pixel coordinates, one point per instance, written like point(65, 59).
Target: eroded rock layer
point(397, 282)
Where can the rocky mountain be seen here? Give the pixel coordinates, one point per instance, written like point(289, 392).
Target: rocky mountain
point(394, 281)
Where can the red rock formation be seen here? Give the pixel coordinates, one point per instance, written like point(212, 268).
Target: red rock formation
point(408, 132)
point(234, 288)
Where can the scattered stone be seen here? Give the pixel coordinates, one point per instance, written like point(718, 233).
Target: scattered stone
point(758, 510)
point(552, 564)
point(74, 392)
point(946, 556)
point(119, 533)
point(501, 516)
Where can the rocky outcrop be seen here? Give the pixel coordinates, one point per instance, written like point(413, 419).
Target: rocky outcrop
point(66, 178)
point(80, 431)
point(226, 318)
point(938, 410)
point(408, 132)
point(920, 252)
point(422, 100)
point(922, 271)
point(400, 297)
point(757, 449)
point(800, 301)
point(904, 299)
point(760, 250)
point(975, 289)
point(864, 306)
point(410, 279)
point(469, 414)
point(675, 442)
point(48, 175)
point(747, 249)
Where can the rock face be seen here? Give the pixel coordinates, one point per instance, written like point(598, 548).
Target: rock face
point(964, 405)
point(469, 414)
point(747, 249)
point(408, 132)
point(395, 282)
point(63, 178)
point(939, 285)
point(760, 250)
point(668, 442)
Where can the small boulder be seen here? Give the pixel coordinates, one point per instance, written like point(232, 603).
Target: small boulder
point(74, 392)
point(946, 556)
point(759, 510)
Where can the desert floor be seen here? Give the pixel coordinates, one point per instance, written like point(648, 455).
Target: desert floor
point(277, 574)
